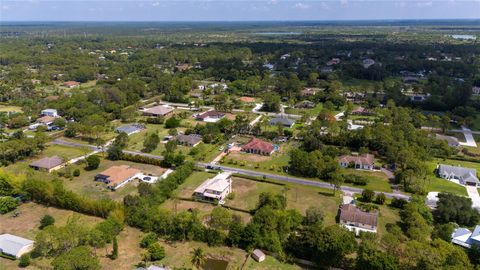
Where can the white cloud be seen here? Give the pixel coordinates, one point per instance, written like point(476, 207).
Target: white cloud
point(301, 6)
point(5, 7)
point(272, 2)
point(156, 4)
point(324, 5)
point(344, 2)
point(424, 4)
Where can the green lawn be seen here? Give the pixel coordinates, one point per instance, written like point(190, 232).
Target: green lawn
point(386, 215)
point(435, 183)
point(8, 108)
point(378, 181)
point(313, 111)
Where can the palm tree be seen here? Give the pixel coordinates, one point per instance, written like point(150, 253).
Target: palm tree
point(198, 257)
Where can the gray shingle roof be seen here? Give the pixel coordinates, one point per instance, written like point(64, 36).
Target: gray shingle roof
point(47, 162)
point(466, 174)
point(283, 121)
point(191, 139)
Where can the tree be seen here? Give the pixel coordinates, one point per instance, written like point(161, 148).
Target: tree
point(220, 218)
point(148, 240)
point(76, 258)
point(172, 122)
point(46, 220)
point(443, 231)
point(314, 215)
point(93, 161)
point(332, 244)
point(76, 172)
point(7, 204)
point(156, 252)
point(121, 140)
point(198, 257)
point(151, 142)
point(368, 195)
point(453, 208)
point(24, 260)
point(114, 254)
point(369, 258)
point(381, 198)
point(114, 152)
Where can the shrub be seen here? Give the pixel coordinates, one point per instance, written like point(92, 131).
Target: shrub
point(398, 203)
point(380, 199)
point(7, 204)
point(24, 260)
point(368, 195)
point(93, 162)
point(172, 122)
point(148, 240)
point(156, 252)
point(46, 220)
point(76, 172)
point(156, 120)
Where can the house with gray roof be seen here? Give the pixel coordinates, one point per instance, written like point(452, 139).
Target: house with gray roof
point(465, 238)
point(47, 164)
point(130, 128)
point(286, 122)
point(465, 176)
point(15, 246)
point(191, 140)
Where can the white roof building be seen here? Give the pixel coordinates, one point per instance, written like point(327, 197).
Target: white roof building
point(14, 245)
point(216, 188)
point(465, 238)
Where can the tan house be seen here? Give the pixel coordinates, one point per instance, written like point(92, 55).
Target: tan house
point(191, 140)
point(160, 110)
point(362, 162)
point(47, 164)
point(357, 220)
point(260, 147)
point(117, 176)
point(46, 120)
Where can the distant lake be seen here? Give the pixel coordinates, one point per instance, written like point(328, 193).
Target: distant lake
point(277, 33)
point(464, 37)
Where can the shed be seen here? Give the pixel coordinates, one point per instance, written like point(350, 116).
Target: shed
point(12, 245)
point(258, 255)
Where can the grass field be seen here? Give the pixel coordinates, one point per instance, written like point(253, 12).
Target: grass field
point(378, 181)
point(435, 183)
point(313, 111)
point(8, 108)
point(386, 215)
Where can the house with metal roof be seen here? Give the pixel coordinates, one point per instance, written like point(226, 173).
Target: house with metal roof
point(464, 176)
point(465, 238)
point(130, 128)
point(15, 246)
point(48, 164)
point(215, 189)
point(286, 122)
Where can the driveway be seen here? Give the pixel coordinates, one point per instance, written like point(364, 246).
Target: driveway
point(470, 141)
point(473, 194)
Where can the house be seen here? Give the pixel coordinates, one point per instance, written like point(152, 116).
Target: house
point(333, 61)
point(160, 110)
point(465, 238)
point(309, 91)
point(368, 62)
point(357, 220)
point(215, 189)
point(117, 176)
point(211, 116)
point(286, 122)
point(465, 176)
point(71, 84)
point(305, 104)
point(361, 111)
point(260, 147)
point(247, 99)
point(15, 246)
point(326, 69)
point(49, 112)
point(476, 90)
point(363, 162)
point(46, 120)
point(452, 141)
point(258, 255)
point(130, 128)
point(191, 140)
point(47, 164)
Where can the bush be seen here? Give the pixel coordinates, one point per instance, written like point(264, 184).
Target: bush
point(172, 122)
point(7, 204)
point(93, 162)
point(398, 203)
point(380, 199)
point(156, 120)
point(356, 180)
point(156, 252)
point(24, 260)
point(46, 220)
point(76, 172)
point(148, 240)
point(368, 195)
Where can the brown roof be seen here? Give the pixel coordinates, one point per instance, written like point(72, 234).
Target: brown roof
point(52, 98)
point(258, 144)
point(71, 83)
point(350, 213)
point(46, 119)
point(247, 99)
point(118, 174)
point(159, 110)
point(212, 113)
point(191, 139)
point(47, 162)
point(365, 159)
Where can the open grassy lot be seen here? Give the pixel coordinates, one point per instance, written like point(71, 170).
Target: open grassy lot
point(8, 108)
point(378, 181)
point(386, 215)
point(312, 111)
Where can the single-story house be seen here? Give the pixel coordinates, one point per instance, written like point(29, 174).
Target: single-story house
point(361, 111)
point(309, 91)
point(71, 84)
point(368, 62)
point(465, 238)
point(306, 104)
point(49, 112)
point(117, 176)
point(191, 140)
point(260, 147)
point(452, 141)
point(215, 189)
point(15, 246)
point(465, 176)
point(130, 128)
point(160, 110)
point(258, 255)
point(364, 162)
point(211, 116)
point(286, 122)
point(46, 120)
point(47, 164)
point(357, 220)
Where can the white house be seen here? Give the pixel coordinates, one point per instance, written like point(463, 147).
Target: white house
point(464, 176)
point(49, 112)
point(215, 189)
point(258, 255)
point(15, 246)
point(465, 238)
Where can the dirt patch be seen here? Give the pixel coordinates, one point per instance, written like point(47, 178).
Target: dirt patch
point(129, 251)
point(248, 157)
point(241, 186)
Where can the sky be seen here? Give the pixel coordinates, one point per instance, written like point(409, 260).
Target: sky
point(235, 10)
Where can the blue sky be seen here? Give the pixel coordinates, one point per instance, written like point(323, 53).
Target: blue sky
point(234, 10)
